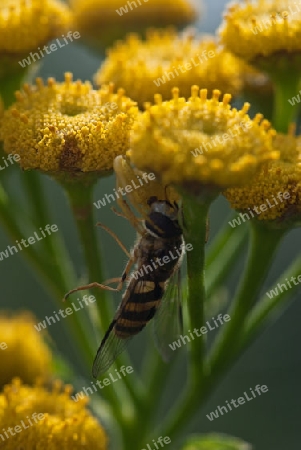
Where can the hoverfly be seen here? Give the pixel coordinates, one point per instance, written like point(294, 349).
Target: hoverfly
point(151, 294)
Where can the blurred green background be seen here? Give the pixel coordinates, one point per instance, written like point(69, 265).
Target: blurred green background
point(269, 423)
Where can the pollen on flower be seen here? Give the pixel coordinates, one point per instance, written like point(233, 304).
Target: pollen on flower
point(283, 176)
point(68, 126)
point(166, 59)
point(26, 25)
point(201, 140)
point(51, 418)
point(27, 358)
point(261, 28)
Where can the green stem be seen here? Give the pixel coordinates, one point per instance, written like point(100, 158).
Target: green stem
point(262, 312)
point(155, 373)
point(195, 227)
point(194, 230)
point(45, 270)
point(55, 247)
point(220, 241)
point(286, 87)
point(223, 255)
point(81, 204)
point(264, 242)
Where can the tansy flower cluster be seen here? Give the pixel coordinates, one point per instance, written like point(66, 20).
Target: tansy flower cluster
point(64, 424)
point(276, 176)
point(166, 59)
point(68, 126)
point(167, 136)
point(28, 357)
point(261, 28)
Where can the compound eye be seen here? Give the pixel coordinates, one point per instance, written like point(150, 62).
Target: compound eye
point(152, 200)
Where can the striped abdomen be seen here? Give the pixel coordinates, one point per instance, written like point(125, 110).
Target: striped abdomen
point(138, 307)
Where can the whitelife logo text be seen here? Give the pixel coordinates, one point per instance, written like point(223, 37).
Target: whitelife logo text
point(23, 426)
point(274, 292)
point(49, 320)
point(11, 250)
point(259, 209)
point(161, 261)
point(112, 378)
point(9, 160)
point(53, 47)
point(128, 188)
point(184, 339)
point(194, 62)
point(241, 401)
point(234, 131)
point(161, 440)
point(124, 9)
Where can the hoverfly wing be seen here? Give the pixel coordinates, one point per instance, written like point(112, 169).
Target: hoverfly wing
point(168, 321)
point(111, 346)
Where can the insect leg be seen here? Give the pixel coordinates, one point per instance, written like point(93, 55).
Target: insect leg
point(131, 216)
point(120, 281)
point(114, 236)
point(119, 214)
point(89, 286)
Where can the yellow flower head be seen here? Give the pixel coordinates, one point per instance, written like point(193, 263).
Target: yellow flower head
point(68, 126)
point(101, 22)
point(47, 419)
point(27, 24)
point(201, 140)
point(262, 27)
point(275, 193)
point(23, 353)
point(166, 59)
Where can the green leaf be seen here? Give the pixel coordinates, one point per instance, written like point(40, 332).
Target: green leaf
point(215, 441)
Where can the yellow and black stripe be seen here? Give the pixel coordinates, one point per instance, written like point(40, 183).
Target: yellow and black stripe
point(139, 307)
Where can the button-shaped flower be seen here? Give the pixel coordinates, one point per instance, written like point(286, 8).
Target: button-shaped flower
point(277, 186)
point(28, 357)
point(166, 59)
point(68, 127)
point(262, 27)
point(101, 22)
point(27, 25)
point(201, 141)
point(47, 419)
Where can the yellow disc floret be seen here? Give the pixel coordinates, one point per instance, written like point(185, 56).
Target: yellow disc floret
point(262, 27)
point(201, 140)
point(275, 193)
point(27, 24)
point(28, 357)
point(42, 419)
point(68, 126)
point(166, 59)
